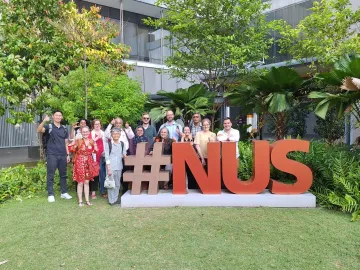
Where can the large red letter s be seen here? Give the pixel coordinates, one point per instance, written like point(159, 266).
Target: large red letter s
point(280, 161)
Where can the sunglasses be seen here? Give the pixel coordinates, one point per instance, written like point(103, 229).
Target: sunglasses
point(146, 118)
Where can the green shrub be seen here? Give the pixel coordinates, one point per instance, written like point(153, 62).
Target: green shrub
point(20, 182)
point(335, 168)
point(17, 182)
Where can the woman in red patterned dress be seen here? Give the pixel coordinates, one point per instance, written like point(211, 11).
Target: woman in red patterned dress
point(83, 173)
point(97, 135)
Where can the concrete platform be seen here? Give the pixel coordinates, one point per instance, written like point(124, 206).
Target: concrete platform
point(195, 198)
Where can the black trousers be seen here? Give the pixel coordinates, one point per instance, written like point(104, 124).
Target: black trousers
point(56, 162)
point(94, 185)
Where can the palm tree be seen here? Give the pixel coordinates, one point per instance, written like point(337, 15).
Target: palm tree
point(273, 94)
point(342, 89)
point(183, 102)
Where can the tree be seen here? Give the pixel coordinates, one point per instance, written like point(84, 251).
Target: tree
point(93, 36)
point(274, 94)
point(109, 95)
point(330, 31)
point(213, 40)
point(33, 55)
point(335, 92)
point(331, 128)
point(184, 103)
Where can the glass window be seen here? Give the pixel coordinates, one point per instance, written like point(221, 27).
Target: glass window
point(130, 38)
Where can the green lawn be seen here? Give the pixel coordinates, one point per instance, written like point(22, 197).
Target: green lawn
point(37, 235)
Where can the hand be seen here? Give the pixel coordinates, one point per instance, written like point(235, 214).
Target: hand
point(46, 118)
point(183, 135)
point(75, 125)
point(151, 152)
point(68, 159)
point(127, 125)
point(109, 172)
point(203, 162)
point(112, 122)
point(124, 155)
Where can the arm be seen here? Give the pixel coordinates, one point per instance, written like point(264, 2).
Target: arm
point(200, 154)
point(107, 133)
point(221, 137)
point(41, 128)
point(107, 156)
point(129, 132)
point(124, 151)
point(235, 136)
point(124, 139)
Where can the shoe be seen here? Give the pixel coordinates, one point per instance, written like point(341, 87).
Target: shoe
point(66, 196)
point(51, 198)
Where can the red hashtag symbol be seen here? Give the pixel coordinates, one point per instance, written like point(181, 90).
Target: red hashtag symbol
point(139, 175)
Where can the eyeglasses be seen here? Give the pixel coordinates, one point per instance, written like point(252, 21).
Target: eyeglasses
point(195, 116)
point(146, 118)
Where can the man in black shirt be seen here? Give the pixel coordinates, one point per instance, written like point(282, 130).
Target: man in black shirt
point(57, 153)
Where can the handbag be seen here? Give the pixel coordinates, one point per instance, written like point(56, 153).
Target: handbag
point(94, 168)
point(109, 182)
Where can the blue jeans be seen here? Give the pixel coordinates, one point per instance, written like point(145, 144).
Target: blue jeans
point(102, 176)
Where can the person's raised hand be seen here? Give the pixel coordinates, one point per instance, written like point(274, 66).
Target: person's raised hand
point(127, 124)
point(112, 122)
point(46, 118)
point(75, 125)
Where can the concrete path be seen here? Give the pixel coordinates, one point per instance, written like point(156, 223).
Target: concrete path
point(14, 156)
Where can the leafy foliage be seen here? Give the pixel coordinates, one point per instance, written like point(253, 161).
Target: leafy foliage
point(110, 95)
point(17, 182)
point(334, 96)
point(184, 103)
point(335, 168)
point(212, 41)
point(330, 31)
point(33, 55)
point(273, 94)
point(93, 38)
point(332, 128)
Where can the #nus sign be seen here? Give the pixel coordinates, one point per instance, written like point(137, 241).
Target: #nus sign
point(222, 166)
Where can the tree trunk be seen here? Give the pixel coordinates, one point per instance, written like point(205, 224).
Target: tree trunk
point(280, 125)
point(86, 86)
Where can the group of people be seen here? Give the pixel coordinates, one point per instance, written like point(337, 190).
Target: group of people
point(97, 154)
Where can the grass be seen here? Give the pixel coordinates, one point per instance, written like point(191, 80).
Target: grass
point(37, 235)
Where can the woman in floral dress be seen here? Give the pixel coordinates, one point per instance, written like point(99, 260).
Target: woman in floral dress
point(83, 171)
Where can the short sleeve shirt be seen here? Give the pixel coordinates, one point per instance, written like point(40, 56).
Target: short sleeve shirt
point(56, 141)
point(202, 139)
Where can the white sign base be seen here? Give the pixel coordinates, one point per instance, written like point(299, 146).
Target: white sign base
point(194, 198)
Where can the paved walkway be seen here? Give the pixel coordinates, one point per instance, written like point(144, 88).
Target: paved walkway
point(15, 156)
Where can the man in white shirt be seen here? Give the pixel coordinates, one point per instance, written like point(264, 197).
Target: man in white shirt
point(229, 134)
point(126, 133)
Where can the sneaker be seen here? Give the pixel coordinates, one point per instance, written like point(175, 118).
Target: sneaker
point(66, 196)
point(51, 198)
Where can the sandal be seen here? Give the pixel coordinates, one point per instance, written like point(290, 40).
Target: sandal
point(93, 196)
point(104, 195)
point(81, 204)
point(88, 203)
point(166, 186)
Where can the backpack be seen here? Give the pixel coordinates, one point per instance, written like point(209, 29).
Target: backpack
point(46, 136)
point(110, 148)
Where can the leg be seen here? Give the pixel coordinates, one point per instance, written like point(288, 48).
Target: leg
point(80, 187)
point(94, 186)
point(113, 193)
point(102, 177)
point(125, 185)
point(51, 167)
point(86, 191)
point(62, 166)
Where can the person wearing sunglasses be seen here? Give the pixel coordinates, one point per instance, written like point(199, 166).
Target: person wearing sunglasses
point(149, 130)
